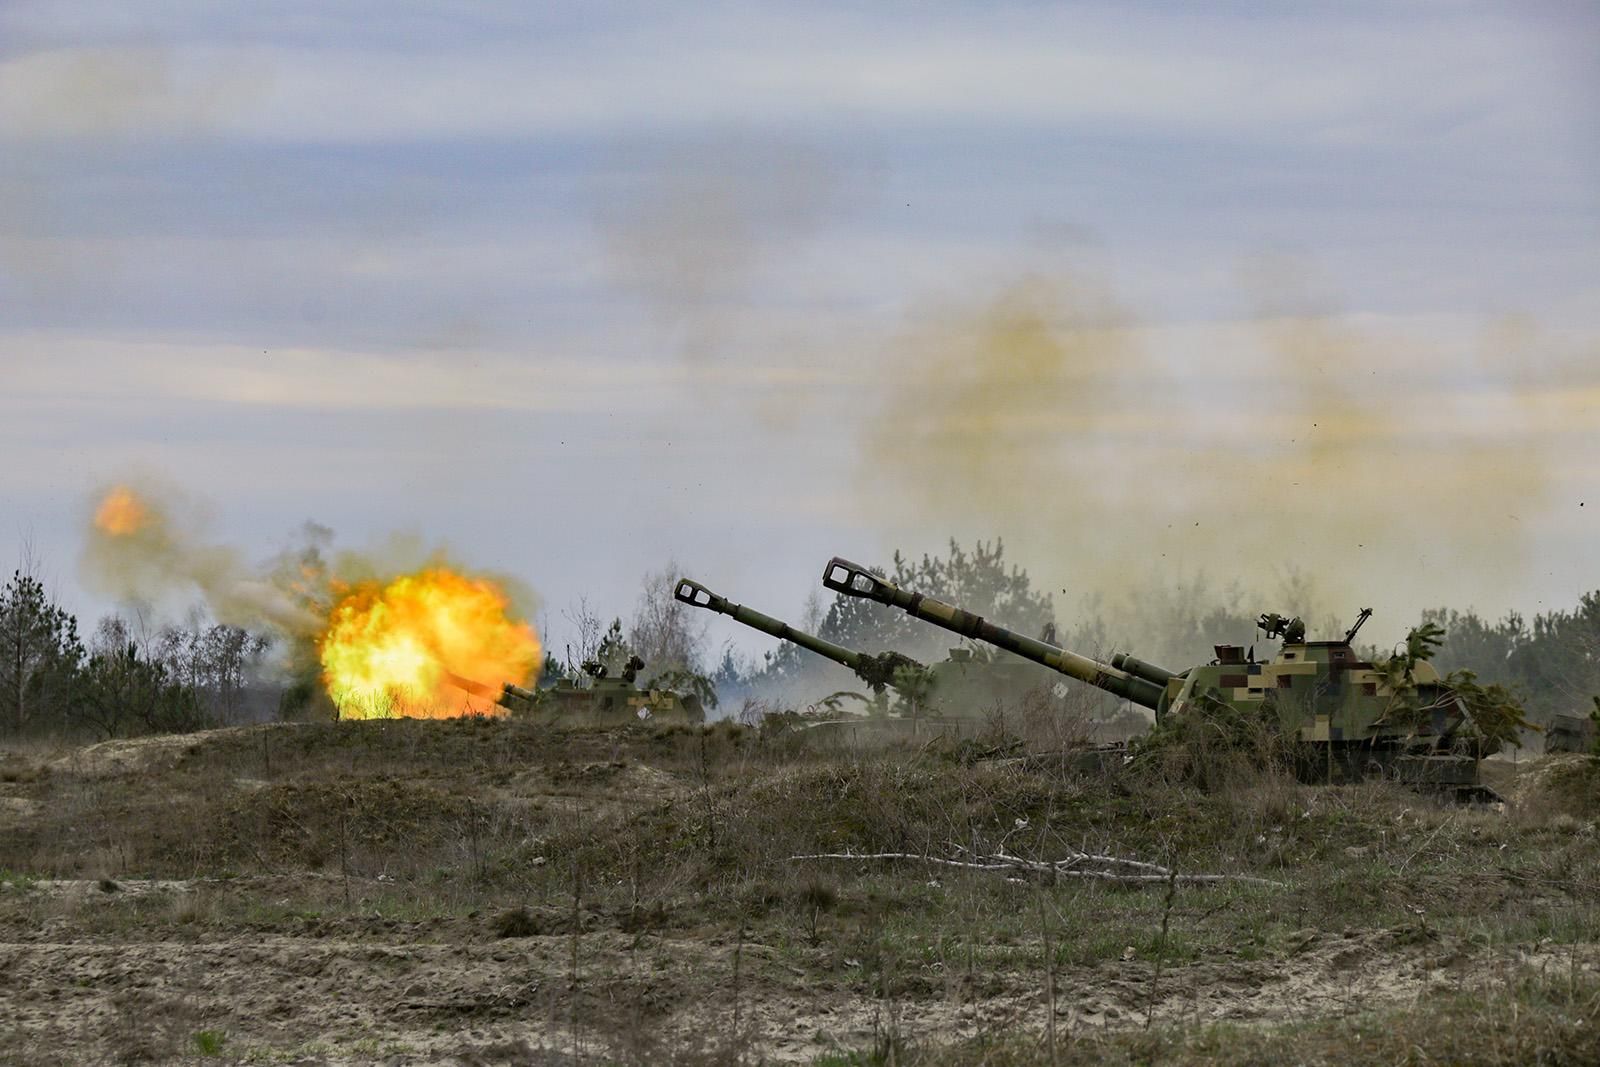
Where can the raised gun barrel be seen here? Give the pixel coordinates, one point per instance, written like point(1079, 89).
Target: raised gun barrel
point(876, 670)
point(508, 696)
point(852, 579)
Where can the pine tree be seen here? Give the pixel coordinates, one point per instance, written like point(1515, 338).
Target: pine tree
point(40, 656)
point(126, 691)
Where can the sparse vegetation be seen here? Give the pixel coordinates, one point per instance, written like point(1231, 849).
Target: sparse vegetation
point(210, 1042)
point(617, 891)
point(505, 890)
point(517, 922)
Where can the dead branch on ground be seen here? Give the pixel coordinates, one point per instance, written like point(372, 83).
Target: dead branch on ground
point(1082, 865)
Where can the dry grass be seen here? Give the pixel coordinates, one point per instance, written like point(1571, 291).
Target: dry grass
point(576, 871)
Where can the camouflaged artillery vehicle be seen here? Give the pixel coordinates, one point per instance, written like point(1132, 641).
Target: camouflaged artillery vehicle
point(1348, 716)
point(961, 687)
point(606, 701)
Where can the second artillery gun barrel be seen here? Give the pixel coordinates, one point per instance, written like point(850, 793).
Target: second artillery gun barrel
point(876, 670)
point(1139, 683)
point(505, 695)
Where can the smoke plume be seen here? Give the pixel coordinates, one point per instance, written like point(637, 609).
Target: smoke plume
point(146, 542)
point(1296, 450)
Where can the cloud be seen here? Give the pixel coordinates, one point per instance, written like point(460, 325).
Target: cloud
point(360, 247)
point(50, 369)
point(119, 91)
point(1320, 80)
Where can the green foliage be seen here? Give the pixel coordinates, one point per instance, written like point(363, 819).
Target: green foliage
point(552, 670)
point(1410, 704)
point(915, 687)
point(1473, 642)
point(614, 652)
point(688, 683)
point(1214, 744)
point(1496, 716)
point(16, 879)
point(978, 580)
point(1422, 642)
point(40, 655)
point(296, 699)
point(1552, 661)
point(210, 1042)
point(123, 691)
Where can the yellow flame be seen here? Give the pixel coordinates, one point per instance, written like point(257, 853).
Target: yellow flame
point(121, 513)
point(388, 647)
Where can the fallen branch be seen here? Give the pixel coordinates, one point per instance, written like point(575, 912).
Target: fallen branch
point(1135, 872)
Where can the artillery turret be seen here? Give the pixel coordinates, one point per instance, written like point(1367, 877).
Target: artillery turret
point(877, 670)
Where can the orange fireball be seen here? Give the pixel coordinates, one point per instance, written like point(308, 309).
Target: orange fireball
point(388, 647)
point(121, 513)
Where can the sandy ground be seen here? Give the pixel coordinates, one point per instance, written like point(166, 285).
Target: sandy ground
point(356, 990)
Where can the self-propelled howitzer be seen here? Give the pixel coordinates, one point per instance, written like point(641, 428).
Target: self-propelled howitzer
point(1353, 718)
point(876, 670)
point(1135, 680)
point(606, 701)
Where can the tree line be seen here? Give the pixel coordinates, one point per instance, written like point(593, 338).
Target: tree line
point(123, 680)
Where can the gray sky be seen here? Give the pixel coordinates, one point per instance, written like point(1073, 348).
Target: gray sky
point(581, 288)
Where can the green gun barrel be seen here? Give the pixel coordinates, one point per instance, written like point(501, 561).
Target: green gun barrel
point(852, 579)
point(876, 670)
point(1142, 668)
point(509, 696)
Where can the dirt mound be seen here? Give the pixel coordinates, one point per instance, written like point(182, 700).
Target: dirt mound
point(141, 754)
point(1565, 781)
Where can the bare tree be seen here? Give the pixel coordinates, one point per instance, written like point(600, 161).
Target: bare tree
point(590, 630)
point(669, 635)
point(217, 662)
point(127, 689)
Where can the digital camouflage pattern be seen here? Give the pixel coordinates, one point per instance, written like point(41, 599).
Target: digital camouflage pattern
point(605, 701)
